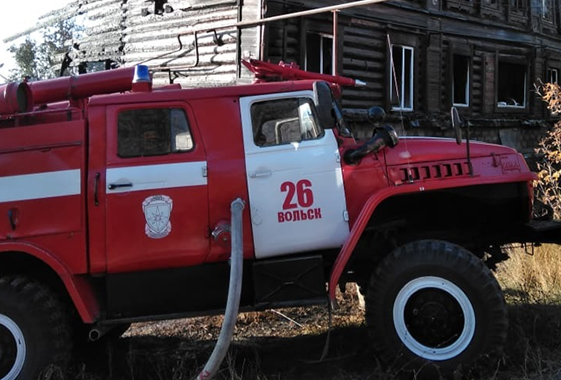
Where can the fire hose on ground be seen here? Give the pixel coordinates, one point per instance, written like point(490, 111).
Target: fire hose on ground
point(234, 294)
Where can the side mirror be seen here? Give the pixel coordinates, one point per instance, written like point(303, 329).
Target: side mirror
point(386, 136)
point(456, 124)
point(324, 104)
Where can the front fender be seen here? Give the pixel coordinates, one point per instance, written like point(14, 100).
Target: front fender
point(377, 198)
point(79, 289)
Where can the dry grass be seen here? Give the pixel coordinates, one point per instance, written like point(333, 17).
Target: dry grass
point(286, 344)
point(532, 286)
point(532, 276)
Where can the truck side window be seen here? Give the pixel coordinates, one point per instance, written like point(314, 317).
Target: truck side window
point(152, 132)
point(284, 121)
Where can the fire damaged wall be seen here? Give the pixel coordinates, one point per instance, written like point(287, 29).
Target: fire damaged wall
point(419, 58)
point(160, 34)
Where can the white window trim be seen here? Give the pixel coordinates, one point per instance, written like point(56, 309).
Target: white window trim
point(550, 71)
point(468, 81)
point(401, 106)
point(321, 37)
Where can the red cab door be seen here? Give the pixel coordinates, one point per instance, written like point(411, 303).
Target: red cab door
point(156, 188)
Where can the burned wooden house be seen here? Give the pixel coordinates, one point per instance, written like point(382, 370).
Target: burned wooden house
point(418, 57)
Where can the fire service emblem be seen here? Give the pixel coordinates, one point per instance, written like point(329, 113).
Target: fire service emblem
point(157, 211)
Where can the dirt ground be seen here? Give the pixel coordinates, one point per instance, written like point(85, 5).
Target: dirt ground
point(288, 343)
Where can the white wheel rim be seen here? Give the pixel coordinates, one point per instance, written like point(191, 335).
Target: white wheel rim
point(422, 350)
point(19, 341)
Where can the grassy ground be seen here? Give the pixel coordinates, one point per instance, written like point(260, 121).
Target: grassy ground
point(532, 286)
point(286, 344)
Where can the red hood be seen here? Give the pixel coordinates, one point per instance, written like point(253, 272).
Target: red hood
point(428, 149)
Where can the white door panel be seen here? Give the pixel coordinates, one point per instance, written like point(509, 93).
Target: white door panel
point(296, 191)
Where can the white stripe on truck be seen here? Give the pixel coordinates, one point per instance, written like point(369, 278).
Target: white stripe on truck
point(40, 185)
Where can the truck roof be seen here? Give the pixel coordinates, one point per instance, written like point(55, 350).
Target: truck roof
point(201, 93)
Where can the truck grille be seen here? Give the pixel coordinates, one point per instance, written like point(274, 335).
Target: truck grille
point(427, 172)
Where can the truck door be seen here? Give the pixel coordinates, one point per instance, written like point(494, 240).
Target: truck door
point(294, 176)
point(156, 188)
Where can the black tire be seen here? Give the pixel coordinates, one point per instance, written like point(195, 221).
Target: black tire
point(433, 306)
point(34, 329)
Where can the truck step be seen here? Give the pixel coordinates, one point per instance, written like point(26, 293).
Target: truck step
point(544, 231)
point(280, 282)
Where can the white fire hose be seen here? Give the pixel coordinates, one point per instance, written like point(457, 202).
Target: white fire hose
point(234, 294)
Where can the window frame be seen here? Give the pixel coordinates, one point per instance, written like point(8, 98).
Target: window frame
point(511, 61)
point(468, 83)
point(550, 71)
point(112, 112)
point(551, 6)
point(171, 136)
point(518, 7)
point(393, 78)
point(322, 36)
point(308, 99)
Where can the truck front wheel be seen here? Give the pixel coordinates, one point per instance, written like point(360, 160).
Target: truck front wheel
point(33, 329)
point(432, 305)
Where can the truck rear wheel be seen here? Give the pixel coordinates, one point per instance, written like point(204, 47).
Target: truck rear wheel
point(433, 306)
point(33, 329)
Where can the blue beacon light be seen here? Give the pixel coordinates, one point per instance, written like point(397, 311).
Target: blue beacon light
point(141, 74)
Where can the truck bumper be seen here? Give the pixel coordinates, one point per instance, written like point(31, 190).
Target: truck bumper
point(542, 231)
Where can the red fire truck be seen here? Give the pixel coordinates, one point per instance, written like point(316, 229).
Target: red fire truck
point(115, 207)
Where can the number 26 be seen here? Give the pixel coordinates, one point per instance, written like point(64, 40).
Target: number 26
point(302, 190)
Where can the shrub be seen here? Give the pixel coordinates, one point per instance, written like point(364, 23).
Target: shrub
point(549, 150)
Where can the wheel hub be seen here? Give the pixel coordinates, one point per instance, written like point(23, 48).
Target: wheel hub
point(434, 318)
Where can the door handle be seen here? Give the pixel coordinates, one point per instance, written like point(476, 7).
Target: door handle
point(96, 189)
point(261, 174)
point(114, 186)
point(13, 218)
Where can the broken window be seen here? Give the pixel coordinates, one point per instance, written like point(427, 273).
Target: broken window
point(159, 7)
point(152, 132)
point(401, 88)
point(319, 53)
point(511, 86)
point(553, 76)
point(96, 66)
point(284, 121)
point(460, 80)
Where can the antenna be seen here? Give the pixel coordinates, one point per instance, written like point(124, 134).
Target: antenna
point(458, 124)
point(470, 166)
